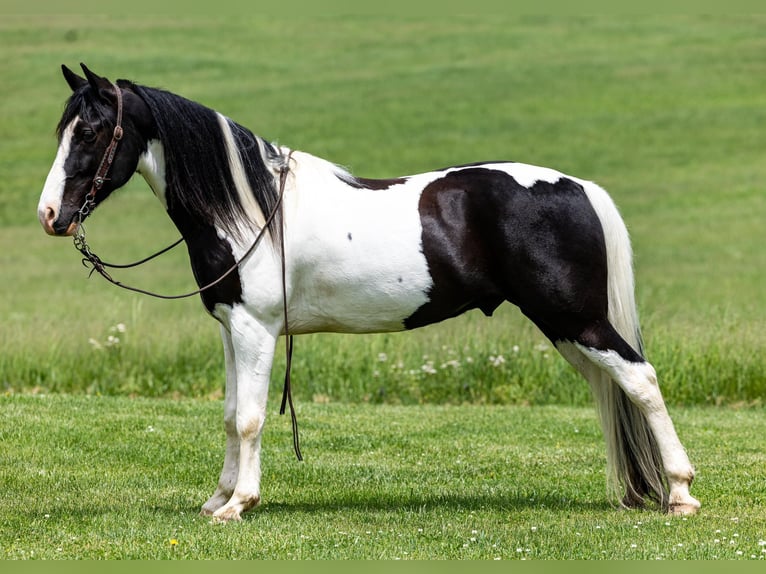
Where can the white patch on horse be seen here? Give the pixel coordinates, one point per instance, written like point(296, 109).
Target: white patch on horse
point(528, 175)
point(53, 190)
point(354, 256)
point(151, 165)
point(244, 191)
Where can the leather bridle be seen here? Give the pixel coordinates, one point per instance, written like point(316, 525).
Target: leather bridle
point(106, 163)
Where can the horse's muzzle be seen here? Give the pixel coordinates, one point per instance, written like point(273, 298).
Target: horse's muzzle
point(48, 219)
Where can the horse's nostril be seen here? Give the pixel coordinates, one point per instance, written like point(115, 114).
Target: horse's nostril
point(47, 216)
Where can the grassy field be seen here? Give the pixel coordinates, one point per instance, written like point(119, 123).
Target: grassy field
point(667, 113)
point(113, 477)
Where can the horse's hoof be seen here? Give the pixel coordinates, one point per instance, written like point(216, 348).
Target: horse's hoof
point(686, 508)
point(214, 503)
point(230, 514)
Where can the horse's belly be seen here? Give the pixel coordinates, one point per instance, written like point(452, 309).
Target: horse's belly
point(361, 298)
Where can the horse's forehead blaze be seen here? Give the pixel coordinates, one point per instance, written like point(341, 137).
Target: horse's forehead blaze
point(53, 190)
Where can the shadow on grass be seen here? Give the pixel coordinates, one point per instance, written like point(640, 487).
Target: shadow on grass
point(447, 502)
point(340, 503)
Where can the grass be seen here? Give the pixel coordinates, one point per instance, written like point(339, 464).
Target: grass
point(665, 112)
point(112, 477)
point(626, 102)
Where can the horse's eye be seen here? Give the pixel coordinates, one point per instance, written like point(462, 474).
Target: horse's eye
point(88, 135)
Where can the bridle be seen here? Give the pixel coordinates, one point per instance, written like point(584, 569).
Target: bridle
point(106, 163)
point(99, 266)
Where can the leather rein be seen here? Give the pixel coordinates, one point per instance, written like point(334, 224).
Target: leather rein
point(99, 266)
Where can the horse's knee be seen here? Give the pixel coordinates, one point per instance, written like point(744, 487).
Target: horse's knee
point(249, 427)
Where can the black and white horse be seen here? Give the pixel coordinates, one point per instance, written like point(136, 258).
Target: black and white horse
point(364, 256)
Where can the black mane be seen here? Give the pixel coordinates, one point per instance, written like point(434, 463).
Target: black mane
point(197, 171)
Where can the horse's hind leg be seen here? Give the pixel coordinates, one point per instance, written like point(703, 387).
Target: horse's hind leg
point(228, 478)
point(601, 346)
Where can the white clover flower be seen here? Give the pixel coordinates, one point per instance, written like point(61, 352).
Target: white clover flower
point(496, 361)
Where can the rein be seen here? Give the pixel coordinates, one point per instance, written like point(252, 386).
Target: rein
point(99, 266)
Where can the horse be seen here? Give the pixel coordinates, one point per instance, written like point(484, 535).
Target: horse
point(347, 254)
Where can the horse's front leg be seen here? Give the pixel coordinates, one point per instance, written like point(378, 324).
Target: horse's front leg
point(228, 479)
point(252, 346)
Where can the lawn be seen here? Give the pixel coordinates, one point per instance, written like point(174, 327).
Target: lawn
point(111, 477)
point(666, 113)
point(430, 444)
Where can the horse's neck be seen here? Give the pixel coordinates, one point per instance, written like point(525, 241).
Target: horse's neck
point(151, 165)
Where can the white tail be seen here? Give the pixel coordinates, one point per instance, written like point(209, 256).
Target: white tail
point(634, 463)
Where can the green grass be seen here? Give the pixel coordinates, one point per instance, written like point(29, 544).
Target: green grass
point(110, 477)
point(665, 112)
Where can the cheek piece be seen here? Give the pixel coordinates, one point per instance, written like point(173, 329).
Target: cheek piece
point(103, 169)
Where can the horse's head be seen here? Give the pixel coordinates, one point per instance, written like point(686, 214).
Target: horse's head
point(83, 174)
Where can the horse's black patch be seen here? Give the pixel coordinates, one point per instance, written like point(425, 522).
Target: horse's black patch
point(210, 257)
point(373, 184)
point(472, 164)
point(488, 239)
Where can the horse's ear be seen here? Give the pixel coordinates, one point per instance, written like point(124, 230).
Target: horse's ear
point(101, 86)
point(73, 79)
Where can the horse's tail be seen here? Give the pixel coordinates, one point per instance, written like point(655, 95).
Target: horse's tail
point(634, 464)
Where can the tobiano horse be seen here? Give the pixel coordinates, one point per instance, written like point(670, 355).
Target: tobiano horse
point(347, 254)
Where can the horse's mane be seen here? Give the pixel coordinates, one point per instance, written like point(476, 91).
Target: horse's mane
point(197, 170)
